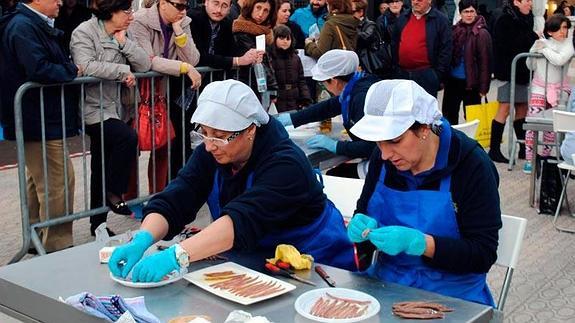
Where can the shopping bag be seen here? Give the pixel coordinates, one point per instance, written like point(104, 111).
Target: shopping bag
point(154, 125)
point(549, 184)
point(484, 112)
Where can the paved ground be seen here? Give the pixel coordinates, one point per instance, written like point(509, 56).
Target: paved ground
point(543, 287)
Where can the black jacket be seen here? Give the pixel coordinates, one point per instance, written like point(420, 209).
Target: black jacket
point(474, 182)
point(31, 51)
point(438, 39)
point(356, 148)
point(285, 192)
point(513, 34)
point(201, 33)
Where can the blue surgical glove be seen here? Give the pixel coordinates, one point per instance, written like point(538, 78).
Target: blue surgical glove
point(395, 239)
point(322, 141)
point(153, 268)
point(358, 224)
point(284, 119)
point(126, 256)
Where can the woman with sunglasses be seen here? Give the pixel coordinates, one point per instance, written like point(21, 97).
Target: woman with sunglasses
point(163, 31)
point(259, 186)
point(101, 48)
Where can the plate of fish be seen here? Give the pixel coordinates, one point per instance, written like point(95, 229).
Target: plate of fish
point(174, 276)
point(238, 283)
point(336, 305)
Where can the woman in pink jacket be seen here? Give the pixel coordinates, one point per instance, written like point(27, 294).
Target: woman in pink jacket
point(163, 31)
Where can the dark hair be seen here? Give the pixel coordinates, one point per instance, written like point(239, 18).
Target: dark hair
point(103, 9)
point(280, 2)
point(345, 78)
point(340, 6)
point(360, 5)
point(436, 129)
point(464, 4)
point(554, 23)
point(283, 31)
point(249, 7)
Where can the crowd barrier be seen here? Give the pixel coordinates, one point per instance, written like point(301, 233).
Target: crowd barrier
point(29, 230)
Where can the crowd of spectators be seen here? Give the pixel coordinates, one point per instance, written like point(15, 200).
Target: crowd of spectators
point(116, 38)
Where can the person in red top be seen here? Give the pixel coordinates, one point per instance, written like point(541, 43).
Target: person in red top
point(421, 46)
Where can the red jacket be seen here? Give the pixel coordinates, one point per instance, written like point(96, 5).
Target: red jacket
point(477, 55)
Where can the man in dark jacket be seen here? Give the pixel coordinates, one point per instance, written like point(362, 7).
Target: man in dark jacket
point(212, 33)
point(337, 69)
point(31, 51)
point(513, 34)
point(421, 46)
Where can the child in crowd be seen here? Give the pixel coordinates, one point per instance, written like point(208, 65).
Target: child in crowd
point(293, 92)
point(557, 51)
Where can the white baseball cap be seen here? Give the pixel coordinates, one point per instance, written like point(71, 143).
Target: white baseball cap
point(336, 62)
point(392, 106)
point(229, 105)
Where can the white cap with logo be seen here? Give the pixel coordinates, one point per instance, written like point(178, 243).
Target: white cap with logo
point(229, 105)
point(336, 62)
point(392, 106)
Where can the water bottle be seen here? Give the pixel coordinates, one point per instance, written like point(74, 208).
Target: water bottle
point(261, 81)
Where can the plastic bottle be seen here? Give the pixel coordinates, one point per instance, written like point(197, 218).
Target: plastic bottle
point(261, 81)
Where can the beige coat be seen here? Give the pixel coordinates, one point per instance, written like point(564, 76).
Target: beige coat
point(100, 56)
point(146, 30)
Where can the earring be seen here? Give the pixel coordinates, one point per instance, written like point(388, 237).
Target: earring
point(250, 138)
point(424, 137)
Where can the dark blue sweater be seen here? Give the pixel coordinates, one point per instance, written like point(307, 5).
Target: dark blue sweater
point(474, 190)
point(330, 108)
point(285, 191)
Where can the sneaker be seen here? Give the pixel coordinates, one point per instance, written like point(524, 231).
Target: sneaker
point(527, 168)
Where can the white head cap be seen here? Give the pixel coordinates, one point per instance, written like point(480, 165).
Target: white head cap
point(336, 62)
point(229, 105)
point(392, 106)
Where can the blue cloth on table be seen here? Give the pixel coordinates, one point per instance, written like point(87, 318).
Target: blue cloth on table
point(112, 307)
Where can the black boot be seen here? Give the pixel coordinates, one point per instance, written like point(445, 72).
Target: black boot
point(495, 143)
point(520, 134)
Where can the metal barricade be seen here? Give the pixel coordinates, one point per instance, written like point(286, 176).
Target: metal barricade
point(29, 233)
point(563, 98)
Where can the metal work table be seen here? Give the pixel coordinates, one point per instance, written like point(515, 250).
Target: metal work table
point(536, 124)
point(29, 291)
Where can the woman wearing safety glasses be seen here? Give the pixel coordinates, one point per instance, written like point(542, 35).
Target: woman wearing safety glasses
point(259, 186)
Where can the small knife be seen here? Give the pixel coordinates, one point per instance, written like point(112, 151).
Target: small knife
point(323, 274)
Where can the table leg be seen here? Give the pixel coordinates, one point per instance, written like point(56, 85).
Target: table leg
point(534, 168)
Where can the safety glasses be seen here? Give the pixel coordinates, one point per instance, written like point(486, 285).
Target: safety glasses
point(197, 138)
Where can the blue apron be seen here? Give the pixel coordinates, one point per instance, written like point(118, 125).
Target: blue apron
point(325, 238)
point(430, 212)
point(345, 98)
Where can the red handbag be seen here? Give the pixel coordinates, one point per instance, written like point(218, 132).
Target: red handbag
point(157, 135)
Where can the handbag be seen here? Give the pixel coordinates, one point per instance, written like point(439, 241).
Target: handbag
point(484, 112)
point(340, 38)
point(154, 126)
point(550, 184)
point(376, 58)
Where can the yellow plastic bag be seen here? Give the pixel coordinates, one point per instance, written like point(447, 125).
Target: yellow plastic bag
point(485, 113)
point(288, 253)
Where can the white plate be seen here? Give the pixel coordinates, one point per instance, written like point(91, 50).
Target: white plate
point(305, 302)
point(197, 278)
point(174, 276)
point(303, 131)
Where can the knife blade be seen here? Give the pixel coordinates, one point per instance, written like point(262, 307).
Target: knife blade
point(323, 274)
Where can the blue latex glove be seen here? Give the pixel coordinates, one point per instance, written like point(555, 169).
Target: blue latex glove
point(284, 119)
point(126, 256)
point(395, 239)
point(153, 268)
point(322, 141)
point(357, 226)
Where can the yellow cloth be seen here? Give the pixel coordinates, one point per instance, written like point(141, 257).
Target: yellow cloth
point(181, 40)
point(184, 68)
point(288, 253)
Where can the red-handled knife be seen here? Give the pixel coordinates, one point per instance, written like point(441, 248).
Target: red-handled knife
point(323, 274)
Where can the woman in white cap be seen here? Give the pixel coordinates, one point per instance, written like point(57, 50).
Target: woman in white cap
point(337, 69)
point(430, 202)
point(259, 186)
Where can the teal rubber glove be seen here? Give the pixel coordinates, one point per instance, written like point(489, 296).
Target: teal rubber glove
point(323, 142)
point(153, 268)
point(395, 239)
point(284, 119)
point(125, 257)
point(358, 224)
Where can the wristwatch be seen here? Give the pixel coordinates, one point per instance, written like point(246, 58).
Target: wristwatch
point(182, 256)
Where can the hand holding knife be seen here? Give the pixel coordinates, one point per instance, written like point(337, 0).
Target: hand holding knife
point(323, 274)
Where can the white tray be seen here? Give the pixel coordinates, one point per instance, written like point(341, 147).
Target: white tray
point(305, 302)
point(197, 278)
point(303, 131)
